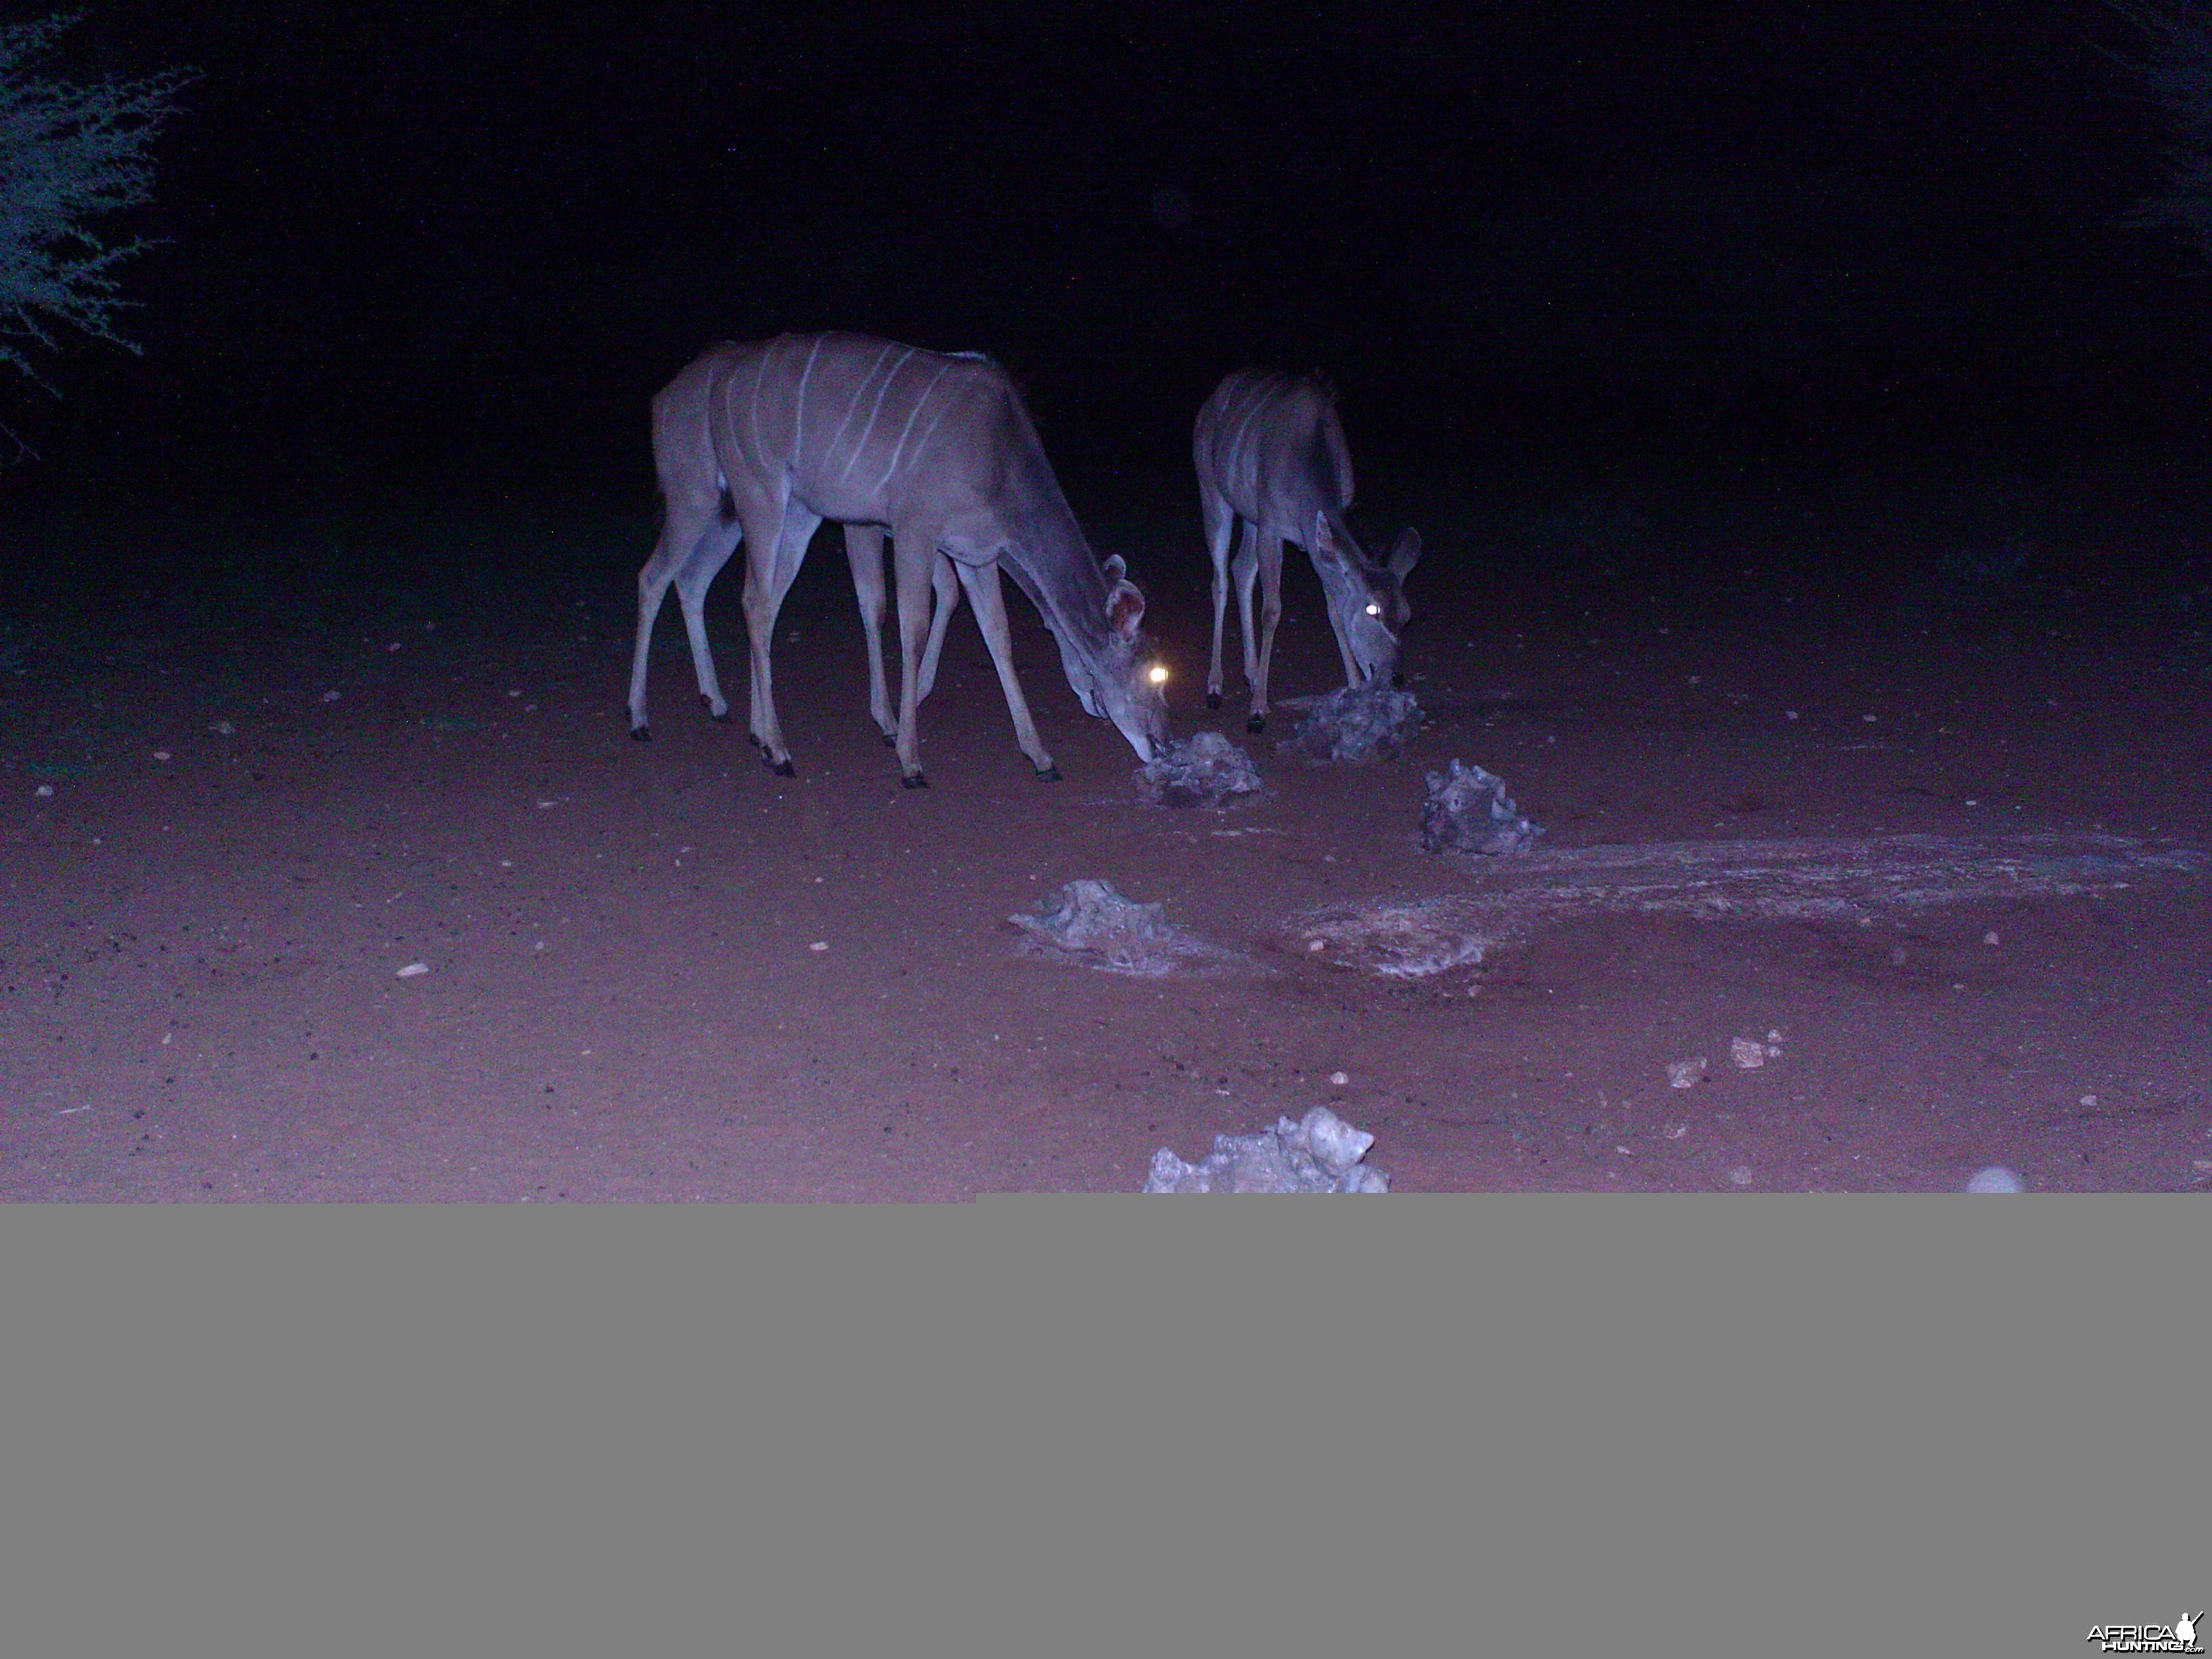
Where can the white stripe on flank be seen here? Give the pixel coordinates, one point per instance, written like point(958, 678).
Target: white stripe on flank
point(937, 420)
point(899, 449)
point(799, 424)
point(858, 392)
point(760, 449)
point(874, 415)
point(1238, 446)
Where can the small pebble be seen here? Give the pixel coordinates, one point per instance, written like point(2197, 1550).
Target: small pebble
point(414, 968)
point(1995, 1179)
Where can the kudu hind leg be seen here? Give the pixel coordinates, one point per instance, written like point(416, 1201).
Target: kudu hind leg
point(692, 581)
point(1259, 561)
point(775, 544)
point(687, 528)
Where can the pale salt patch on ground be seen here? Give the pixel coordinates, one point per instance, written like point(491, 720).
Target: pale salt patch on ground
point(1088, 919)
point(1320, 1153)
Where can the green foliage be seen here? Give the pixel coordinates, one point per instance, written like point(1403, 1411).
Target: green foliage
point(71, 153)
point(2177, 76)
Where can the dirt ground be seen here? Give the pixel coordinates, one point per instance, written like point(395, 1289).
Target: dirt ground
point(656, 971)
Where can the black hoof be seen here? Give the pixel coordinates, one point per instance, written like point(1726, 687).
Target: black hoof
point(1048, 775)
point(1213, 699)
point(1256, 724)
point(641, 734)
point(913, 780)
point(891, 739)
point(724, 717)
point(782, 768)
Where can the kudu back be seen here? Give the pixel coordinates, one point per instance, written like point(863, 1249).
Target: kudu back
point(1270, 455)
point(938, 450)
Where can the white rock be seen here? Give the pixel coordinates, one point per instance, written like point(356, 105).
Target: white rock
point(1335, 1144)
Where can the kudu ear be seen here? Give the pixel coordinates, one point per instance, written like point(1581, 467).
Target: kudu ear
point(1125, 602)
point(1125, 608)
point(1407, 554)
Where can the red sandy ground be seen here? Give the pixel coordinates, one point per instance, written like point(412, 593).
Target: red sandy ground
point(656, 971)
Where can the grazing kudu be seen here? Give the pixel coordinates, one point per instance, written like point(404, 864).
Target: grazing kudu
point(697, 538)
point(1271, 453)
point(940, 451)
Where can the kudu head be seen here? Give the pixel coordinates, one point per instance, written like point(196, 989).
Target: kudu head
point(1367, 600)
point(1125, 684)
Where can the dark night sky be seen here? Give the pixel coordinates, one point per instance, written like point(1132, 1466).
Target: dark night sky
point(454, 249)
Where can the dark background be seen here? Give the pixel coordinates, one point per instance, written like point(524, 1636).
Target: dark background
point(440, 258)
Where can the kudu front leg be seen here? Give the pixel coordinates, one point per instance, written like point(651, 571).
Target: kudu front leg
point(1220, 526)
point(1352, 677)
point(1271, 612)
point(945, 599)
point(989, 599)
point(864, 551)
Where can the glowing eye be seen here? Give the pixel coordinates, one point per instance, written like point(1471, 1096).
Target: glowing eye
point(1157, 674)
point(1373, 609)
